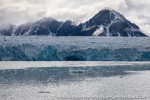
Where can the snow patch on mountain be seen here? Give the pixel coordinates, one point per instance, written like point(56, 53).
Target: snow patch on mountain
point(98, 31)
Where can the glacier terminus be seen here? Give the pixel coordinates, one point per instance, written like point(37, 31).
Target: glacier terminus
point(47, 48)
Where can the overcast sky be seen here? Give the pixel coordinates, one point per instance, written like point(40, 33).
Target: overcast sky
point(21, 11)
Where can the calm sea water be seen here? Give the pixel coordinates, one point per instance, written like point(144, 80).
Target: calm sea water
point(75, 81)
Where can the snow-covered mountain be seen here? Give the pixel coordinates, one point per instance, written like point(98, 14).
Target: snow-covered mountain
point(110, 23)
point(105, 23)
point(45, 26)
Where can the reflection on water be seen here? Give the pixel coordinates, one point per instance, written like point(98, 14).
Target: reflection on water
point(75, 82)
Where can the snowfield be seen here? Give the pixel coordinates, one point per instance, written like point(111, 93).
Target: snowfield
point(47, 48)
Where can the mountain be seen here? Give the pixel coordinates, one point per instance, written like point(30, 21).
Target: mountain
point(110, 23)
point(45, 26)
point(6, 30)
point(105, 23)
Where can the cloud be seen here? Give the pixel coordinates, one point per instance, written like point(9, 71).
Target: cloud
point(21, 11)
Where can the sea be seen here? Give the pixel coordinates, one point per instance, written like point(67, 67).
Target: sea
point(70, 80)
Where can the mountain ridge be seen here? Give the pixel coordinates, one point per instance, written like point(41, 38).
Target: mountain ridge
point(107, 22)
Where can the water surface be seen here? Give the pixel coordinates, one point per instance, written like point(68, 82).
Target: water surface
point(74, 80)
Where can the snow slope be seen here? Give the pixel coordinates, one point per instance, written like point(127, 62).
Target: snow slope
point(47, 48)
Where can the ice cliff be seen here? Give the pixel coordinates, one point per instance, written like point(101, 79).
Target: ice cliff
point(48, 48)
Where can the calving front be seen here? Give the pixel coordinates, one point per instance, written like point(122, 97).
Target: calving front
point(74, 49)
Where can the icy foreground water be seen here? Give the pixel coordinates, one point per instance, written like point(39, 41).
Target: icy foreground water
point(74, 80)
point(45, 48)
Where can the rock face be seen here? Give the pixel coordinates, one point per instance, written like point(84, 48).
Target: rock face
point(105, 23)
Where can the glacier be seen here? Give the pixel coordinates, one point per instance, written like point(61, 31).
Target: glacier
point(47, 48)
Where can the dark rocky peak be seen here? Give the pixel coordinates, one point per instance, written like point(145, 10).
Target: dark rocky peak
point(66, 29)
point(111, 23)
point(45, 26)
point(106, 17)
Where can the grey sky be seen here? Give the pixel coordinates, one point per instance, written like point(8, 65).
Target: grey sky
point(21, 11)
